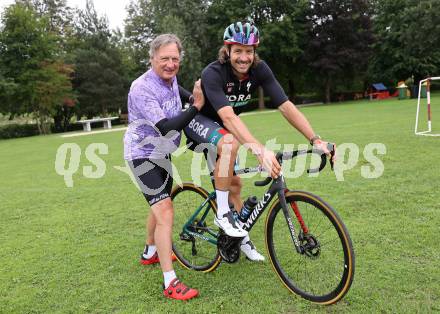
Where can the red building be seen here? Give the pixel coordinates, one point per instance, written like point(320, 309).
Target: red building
point(378, 91)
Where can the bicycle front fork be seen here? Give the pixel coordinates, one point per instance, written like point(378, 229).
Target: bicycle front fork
point(289, 221)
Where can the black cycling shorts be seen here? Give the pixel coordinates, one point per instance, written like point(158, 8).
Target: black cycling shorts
point(203, 130)
point(154, 177)
point(203, 135)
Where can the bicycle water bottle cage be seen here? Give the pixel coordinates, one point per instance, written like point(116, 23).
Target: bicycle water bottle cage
point(228, 247)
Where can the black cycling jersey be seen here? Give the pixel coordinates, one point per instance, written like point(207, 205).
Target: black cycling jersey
point(185, 96)
point(222, 88)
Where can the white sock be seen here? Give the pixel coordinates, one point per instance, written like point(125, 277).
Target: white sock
point(222, 202)
point(150, 252)
point(168, 276)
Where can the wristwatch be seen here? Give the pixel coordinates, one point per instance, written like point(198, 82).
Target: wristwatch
point(314, 138)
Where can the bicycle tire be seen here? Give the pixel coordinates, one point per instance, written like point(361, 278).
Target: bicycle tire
point(329, 282)
point(186, 199)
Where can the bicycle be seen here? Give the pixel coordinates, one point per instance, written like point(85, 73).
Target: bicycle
point(313, 256)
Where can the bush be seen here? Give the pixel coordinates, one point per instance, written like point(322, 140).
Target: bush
point(71, 127)
point(18, 130)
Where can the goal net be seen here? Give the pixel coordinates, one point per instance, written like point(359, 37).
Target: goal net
point(429, 91)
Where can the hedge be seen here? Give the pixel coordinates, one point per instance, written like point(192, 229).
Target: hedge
point(18, 130)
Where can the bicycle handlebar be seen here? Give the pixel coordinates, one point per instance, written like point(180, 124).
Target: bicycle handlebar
point(263, 182)
point(280, 156)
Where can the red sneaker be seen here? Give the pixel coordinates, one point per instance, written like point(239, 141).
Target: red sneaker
point(177, 290)
point(154, 259)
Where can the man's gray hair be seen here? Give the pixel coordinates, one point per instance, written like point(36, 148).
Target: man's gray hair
point(163, 40)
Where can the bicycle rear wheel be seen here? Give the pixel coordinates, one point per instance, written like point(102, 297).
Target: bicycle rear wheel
point(323, 273)
point(194, 231)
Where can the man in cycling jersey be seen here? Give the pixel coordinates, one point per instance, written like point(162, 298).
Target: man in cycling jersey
point(156, 121)
point(227, 85)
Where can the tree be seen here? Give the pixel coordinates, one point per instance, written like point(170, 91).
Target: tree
point(7, 90)
point(23, 45)
point(59, 17)
point(29, 57)
point(99, 72)
point(284, 36)
point(60, 20)
point(340, 42)
point(53, 89)
point(140, 30)
point(408, 40)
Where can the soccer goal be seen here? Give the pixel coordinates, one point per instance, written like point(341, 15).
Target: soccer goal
point(426, 111)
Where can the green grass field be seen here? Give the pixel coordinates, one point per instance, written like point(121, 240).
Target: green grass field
point(76, 250)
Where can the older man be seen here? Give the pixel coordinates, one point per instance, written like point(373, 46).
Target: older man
point(156, 120)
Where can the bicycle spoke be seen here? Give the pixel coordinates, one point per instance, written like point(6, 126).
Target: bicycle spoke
point(324, 244)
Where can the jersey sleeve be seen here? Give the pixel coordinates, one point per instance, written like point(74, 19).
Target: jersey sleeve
point(212, 86)
point(146, 107)
point(271, 86)
point(177, 123)
point(185, 95)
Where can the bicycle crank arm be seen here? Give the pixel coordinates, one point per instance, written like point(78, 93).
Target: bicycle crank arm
point(193, 247)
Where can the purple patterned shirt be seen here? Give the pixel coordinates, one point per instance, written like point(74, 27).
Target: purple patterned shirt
point(150, 100)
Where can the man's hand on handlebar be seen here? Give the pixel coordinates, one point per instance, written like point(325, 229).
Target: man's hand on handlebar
point(328, 148)
point(269, 162)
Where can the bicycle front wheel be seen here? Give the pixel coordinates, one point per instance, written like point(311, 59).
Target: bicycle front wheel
point(324, 270)
point(194, 231)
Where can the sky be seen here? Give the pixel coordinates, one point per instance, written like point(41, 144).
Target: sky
point(114, 9)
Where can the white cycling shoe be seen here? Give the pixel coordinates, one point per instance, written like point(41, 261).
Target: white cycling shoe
point(249, 249)
point(228, 224)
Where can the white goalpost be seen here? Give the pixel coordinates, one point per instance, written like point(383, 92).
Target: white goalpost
point(428, 131)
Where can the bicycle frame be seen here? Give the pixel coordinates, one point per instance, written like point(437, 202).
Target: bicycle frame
point(277, 188)
point(196, 213)
point(325, 287)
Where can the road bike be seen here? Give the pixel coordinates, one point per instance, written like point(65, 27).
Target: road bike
point(308, 245)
